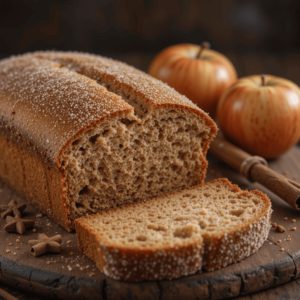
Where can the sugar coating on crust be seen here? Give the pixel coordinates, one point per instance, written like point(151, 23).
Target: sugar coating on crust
point(48, 105)
point(155, 264)
point(152, 90)
point(51, 88)
point(232, 223)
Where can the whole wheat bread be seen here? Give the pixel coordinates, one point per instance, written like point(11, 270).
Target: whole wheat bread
point(80, 133)
point(212, 225)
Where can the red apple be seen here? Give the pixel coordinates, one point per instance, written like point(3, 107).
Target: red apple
point(261, 114)
point(197, 72)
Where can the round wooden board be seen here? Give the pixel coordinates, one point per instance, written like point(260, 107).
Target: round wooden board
point(71, 274)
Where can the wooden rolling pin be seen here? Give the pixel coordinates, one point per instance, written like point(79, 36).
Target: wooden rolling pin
point(255, 168)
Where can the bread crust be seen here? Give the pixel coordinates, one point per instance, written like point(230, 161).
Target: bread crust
point(162, 97)
point(39, 125)
point(139, 264)
point(217, 250)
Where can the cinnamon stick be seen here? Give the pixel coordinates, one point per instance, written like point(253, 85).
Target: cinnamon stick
point(255, 169)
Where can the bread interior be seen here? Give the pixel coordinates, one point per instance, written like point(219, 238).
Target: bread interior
point(175, 219)
point(122, 161)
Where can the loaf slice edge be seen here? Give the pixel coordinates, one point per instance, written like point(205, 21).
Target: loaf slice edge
point(182, 232)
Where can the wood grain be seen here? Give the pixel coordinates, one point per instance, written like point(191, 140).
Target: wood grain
point(70, 277)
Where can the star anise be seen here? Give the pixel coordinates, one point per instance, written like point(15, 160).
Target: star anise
point(45, 244)
point(16, 224)
point(12, 208)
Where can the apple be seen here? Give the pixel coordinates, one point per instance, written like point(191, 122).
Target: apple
point(261, 114)
point(197, 72)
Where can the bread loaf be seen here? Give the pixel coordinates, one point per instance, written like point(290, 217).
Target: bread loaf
point(80, 133)
point(210, 225)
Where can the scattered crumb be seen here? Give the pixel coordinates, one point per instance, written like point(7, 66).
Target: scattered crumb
point(286, 218)
point(280, 228)
point(15, 253)
point(81, 268)
point(87, 266)
point(203, 211)
point(294, 221)
point(7, 251)
point(34, 230)
point(18, 240)
point(71, 253)
point(92, 274)
point(78, 265)
point(274, 225)
point(17, 248)
point(294, 228)
point(10, 244)
point(279, 241)
point(289, 239)
point(282, 249)
point(39, 215)
point(69, 242)
point(286, 172)
point(48, 262)
point(48, 224)
point(69, 268)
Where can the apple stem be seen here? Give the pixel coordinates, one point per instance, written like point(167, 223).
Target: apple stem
point(204, 45)
point(263, 79)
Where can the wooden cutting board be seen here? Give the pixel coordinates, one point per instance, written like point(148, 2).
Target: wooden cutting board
point(70, 274)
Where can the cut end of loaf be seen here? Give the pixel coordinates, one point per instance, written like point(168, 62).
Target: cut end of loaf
point(122, 161)
point(212, 225)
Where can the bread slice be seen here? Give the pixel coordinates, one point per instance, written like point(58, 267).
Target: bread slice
point(81, 133)
point(212, 225)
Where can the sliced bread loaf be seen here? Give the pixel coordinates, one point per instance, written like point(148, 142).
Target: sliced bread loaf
point(81, 133)
point(212, 225)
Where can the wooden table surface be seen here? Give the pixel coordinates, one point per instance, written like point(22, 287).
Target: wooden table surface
point(288, 291)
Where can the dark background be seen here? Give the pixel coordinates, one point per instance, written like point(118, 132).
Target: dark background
point(257, 35)
point(104, 26)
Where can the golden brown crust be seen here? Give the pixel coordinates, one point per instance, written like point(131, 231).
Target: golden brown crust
point(219, 249)
point(34, 179)
point(148, 89)
point(48, 105)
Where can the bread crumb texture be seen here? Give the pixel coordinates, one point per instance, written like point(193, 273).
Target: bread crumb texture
point(170, 236)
